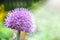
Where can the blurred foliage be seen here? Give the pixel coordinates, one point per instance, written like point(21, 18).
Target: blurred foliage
point(11, 4)
point(5, 33)
point(48, 24)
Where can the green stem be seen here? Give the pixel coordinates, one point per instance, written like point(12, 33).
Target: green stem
point(18, 35)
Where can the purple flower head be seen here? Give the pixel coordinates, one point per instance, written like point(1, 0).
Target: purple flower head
point(20, 19)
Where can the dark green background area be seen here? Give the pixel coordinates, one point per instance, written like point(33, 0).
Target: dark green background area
point(11, 4)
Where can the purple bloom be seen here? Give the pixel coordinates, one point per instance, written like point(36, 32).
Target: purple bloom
point(20, 19)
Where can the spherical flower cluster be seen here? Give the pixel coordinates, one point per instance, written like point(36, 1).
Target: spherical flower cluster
point(20, 19)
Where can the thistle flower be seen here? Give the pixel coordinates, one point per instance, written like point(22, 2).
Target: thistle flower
point(20, 19)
